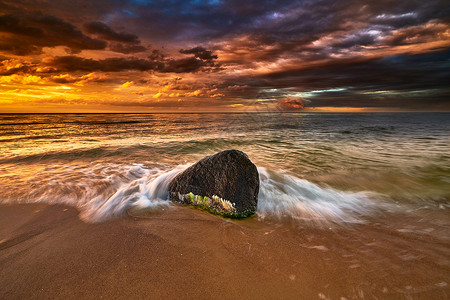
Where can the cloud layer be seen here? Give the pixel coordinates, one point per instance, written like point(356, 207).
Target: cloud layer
point(228, 55)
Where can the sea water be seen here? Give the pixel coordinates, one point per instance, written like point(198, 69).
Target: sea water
point(374, 187)
point(314, 168)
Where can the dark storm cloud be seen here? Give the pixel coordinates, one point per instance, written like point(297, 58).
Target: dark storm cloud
point(24, 35)
point(395, 72)
point(126, 48)
point(278, 29)
point(430, 31)
point(287, 26)
point(75, 63)
point(410, 99)
point(202, 59)
point(121, 42)
point(343, 49)
point(190, 64)
point(16, 70)
point(13, 24)
point(105, 32)
point(282, 23)
point(155, 62)
point(200, 53)
point(390, 81)
point(355, 40)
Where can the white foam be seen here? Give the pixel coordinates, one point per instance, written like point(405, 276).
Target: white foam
point(102, 191)
point(282, 196)
point(99, 191)
point(148, 191)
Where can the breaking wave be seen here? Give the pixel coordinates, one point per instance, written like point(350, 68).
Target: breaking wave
point(283, 196)
point(104, 191)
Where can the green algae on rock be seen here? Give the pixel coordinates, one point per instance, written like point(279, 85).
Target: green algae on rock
point(214, 204)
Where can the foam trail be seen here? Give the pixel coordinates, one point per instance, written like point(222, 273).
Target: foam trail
point(98, 191)
point(103, 191)
point(149, 191)
point(282, 196)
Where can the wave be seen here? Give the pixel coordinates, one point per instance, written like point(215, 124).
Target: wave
point(150, 191)
point(103, 191)
point(22, 124)
point(286, 197)
point(62, 155)
point(99, 191)
point(103, 122)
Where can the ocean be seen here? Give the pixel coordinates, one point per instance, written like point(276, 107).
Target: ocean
point(314, 168)
point(382, 180)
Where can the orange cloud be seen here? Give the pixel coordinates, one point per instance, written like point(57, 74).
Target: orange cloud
point(216, 95)
point(193, 94)
point(127, 84)
point(291, 103)
point(22, 79)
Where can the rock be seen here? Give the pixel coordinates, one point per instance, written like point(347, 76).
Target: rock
point(225, 183)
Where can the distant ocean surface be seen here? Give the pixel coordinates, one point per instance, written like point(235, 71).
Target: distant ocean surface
point(315, 169)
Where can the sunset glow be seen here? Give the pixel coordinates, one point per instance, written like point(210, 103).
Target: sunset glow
point(223, 56)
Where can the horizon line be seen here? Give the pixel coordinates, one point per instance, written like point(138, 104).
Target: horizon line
point(196, 113)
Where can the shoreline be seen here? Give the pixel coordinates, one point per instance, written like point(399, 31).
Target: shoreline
point(46, 251)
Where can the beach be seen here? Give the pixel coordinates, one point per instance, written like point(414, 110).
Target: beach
point(48, 252)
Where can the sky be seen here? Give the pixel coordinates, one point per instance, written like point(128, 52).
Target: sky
point(224, 56)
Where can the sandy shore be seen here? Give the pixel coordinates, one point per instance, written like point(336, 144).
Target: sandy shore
point(48, 252)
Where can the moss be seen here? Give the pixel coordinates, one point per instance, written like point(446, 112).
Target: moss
point(241, 215)
point(214, 205)
point(190, 197)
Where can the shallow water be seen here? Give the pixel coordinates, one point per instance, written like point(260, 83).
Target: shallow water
point(384, 174)
point(314, 167)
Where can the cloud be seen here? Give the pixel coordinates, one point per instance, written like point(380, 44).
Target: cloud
point(216, 95)
point(352, 40)
point(13, 24)
point(423, 33)
point(401, 71)
point(126, 49)
point(127, 84)
point(332, 53)
point(75, 63)
point(200, 53)
point(64, 78)
point(22, 79)
point(193, 94)
point(105, 32)
point(121, 42)
point(155, 62)
point(202, 59)
point(13, 66)
point(25, 35)
point(184, 65)
point(392, 81)
point(291, 104)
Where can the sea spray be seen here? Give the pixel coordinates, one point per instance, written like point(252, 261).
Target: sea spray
point(100, 191)
point(103, 191)
point(147, 192)
point(286, 197)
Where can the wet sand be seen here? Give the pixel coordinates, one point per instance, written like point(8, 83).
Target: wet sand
point(48, 252)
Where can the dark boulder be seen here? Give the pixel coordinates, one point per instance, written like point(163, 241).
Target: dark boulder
point(226, 183)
